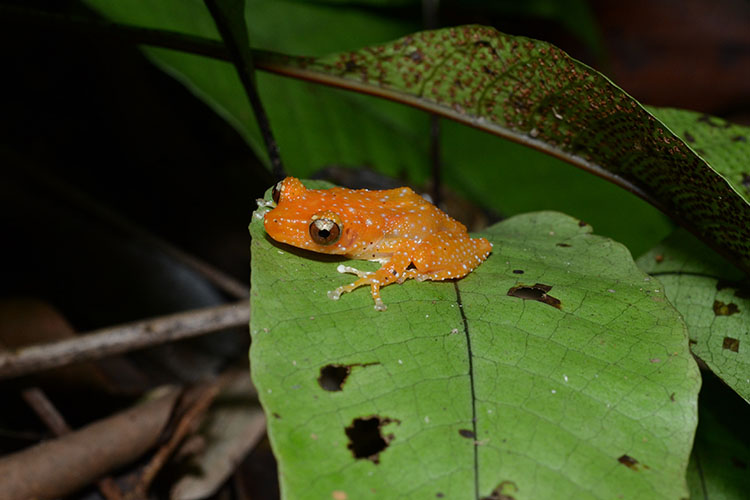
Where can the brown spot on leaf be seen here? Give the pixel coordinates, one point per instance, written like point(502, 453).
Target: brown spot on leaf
point(631, 463)
point(417, 56)
point(333, 377)
point(536, 292)
point(688, 136)
point(503, 491)
point(582, 224)
point(722, 309)
point(467, 433)
point(740, 464)
point(659, 258)
point(731, 344)
point(564, 245)
point(739, 138)
point(366, 439)
point(276, 416)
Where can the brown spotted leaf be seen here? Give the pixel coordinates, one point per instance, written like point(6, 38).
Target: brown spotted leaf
point(556, 369)
point(533, 93)
point(725, 146)
point(713, 298)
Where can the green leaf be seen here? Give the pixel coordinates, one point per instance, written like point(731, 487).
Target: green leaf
point(713, 299)
point(512, 179)
point(473, 390)
point(725, 146)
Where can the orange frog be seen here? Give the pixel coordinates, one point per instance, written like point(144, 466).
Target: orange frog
point(408, 235)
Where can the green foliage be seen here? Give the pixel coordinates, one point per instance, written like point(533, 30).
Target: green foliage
point(473, 391)
point(725, 146)
point(714, 300)
point(317, 126)
point(595, 399)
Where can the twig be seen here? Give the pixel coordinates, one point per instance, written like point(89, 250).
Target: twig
point(57, 467)
point(72, 195)
point(229, 16)
point(186, 424)
point(45, 410)
point(123, 338)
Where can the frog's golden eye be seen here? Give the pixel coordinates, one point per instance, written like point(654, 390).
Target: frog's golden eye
point(276, 192)
point(325, 231)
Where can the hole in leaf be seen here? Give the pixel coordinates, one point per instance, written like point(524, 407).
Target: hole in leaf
point(536, 292)
point(740, 464)
point(411, 266)
point(366, 439)
point(564, 245)
point(503, 491)
point(467, 433)
point(517, 271)
point(731, 344)
point(332, 377)
point(739, 138)
point(722, 309)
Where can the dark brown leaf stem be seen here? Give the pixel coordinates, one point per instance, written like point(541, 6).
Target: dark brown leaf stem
point(229, 16)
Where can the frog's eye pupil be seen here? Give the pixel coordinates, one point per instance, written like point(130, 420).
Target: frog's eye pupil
point(325, 231)
point(276, 192)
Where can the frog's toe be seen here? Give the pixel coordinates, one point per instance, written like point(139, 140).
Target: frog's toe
point(351, 270)
point(379, 305)
point(265, 203)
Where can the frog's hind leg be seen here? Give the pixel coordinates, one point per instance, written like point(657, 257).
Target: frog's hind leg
point(442, 258)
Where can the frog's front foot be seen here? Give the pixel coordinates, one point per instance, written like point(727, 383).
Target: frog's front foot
point(264, 206)
point(336, 294)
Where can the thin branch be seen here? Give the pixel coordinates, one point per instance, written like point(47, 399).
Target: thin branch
point(45, 410)
point(123, 338)
point(187, 423)
point(229, 16)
